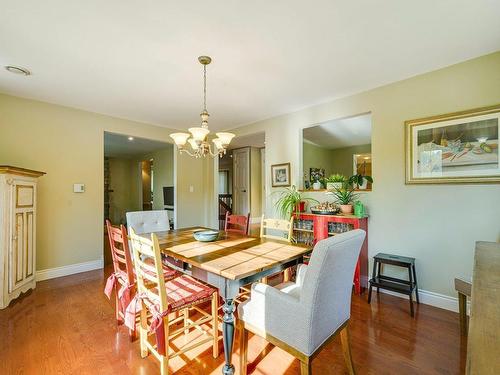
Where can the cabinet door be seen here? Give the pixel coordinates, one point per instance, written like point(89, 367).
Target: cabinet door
point(22, 250)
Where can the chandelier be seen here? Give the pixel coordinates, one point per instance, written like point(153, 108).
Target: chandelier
point(198, 136)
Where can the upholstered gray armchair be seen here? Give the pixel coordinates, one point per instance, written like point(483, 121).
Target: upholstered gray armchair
point(148, 221)
point(301, 317)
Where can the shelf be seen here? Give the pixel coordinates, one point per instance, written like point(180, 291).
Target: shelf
point(401, 287)
point(332, 233)
point(303, 230)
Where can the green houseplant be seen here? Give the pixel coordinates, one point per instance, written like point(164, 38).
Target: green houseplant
point(335, 181)
point(360, 181)
point(290, 201)
point(345, 197)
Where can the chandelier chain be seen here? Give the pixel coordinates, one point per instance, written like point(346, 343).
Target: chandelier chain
point(205, 88)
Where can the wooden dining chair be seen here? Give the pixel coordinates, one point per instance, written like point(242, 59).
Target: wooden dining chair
point(237, 223)
point(277, 229)
point(304, 316)
point(122, 280)
point(160, 298)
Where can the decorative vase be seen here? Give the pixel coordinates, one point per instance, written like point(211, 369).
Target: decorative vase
point(346, 208)
point(317, 185)
point(301, 207)
point(363, 185)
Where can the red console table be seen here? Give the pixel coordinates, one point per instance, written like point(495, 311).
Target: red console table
point(310, 228)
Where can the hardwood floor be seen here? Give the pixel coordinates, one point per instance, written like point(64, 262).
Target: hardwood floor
point(67, 326)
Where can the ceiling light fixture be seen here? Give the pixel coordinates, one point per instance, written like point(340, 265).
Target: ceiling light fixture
point(18, 70)
point(130, 138)
point(198, 139)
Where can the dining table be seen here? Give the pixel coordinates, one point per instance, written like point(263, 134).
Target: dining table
point(231, 261)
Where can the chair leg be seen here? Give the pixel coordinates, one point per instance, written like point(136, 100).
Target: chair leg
point(185, 313)
point(164, 358)
point(462, 310)
point(119, 319)
point(215, 325)
point(286, 275)
point(305, 367)
point(346, 349)
point(143, 331)
point(243, 349)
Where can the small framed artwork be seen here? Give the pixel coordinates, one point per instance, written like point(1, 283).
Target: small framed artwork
point(458, 147)
point(280, 174)
point(316, 174)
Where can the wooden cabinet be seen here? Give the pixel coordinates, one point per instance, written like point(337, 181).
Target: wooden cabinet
point(310, 228)
point(18, 188)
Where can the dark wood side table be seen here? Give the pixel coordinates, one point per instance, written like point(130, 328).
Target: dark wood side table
point(391, 283)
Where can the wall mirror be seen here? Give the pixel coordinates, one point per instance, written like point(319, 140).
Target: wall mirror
point(336, 147)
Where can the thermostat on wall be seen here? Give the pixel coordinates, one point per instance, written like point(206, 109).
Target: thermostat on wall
point(78, 188)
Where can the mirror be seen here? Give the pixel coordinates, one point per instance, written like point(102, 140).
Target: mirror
point(336, 147)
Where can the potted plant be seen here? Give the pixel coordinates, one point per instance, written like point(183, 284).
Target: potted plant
point(335, 181)
point(360, 181)
point(345, 197)
point(291, 201)
point(316, 183)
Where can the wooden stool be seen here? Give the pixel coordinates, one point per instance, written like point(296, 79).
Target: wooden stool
point(463, 289)
point(391, 283)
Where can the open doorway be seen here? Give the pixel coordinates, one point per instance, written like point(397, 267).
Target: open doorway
point(138, 176)
point(241, 178)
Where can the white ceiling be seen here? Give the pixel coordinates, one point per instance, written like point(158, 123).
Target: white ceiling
point(119, 146)
point(353, 131)
point(138, 60)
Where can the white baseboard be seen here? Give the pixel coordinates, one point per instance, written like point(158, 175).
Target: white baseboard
point(71, 269)
point(441, 301)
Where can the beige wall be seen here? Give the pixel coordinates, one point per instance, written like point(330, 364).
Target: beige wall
point(255, 183)
point(121, 179)
point(68, 144)
point(163, 173)
point(436, 224)
point(342, 158)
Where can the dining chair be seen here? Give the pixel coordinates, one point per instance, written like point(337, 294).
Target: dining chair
point(148, 221)
point(152, 221)
point(302, 317)
point(464, 289)
point(122, 279)
point(277, 229)
point(237, 223)
point(160, 298)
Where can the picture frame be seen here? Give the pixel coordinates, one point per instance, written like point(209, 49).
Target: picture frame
point(460, 147)
point(280, 175)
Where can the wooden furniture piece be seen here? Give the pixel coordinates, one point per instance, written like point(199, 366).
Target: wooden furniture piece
point(160, 298)
point(310, 228)
point(325, 284)
point(483, 342)
point(229, 263)
point(463, 289)
point(18, 210)
point(391, 283)
point(237, 223)
point(276, 226)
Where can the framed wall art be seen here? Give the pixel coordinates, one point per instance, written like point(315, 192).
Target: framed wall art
point(280, 174)
point(459, 147)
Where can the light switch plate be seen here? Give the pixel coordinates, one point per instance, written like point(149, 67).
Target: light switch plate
point(78, 188)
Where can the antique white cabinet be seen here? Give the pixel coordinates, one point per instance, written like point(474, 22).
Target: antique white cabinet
point(17, 231)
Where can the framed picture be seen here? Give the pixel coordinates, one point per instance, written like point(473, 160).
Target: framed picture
point(316, 174)
point(458, 147)
point(280, 174)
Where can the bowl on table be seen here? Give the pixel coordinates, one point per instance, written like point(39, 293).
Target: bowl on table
point(206, 235)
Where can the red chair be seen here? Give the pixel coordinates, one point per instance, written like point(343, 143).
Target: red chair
point(237, 223)
point(122, 280)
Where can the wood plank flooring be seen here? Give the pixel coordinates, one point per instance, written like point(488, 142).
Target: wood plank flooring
point(67, 326)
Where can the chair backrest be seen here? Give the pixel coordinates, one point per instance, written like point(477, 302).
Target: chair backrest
point(327, 287)
point(237, 223)
point(148, 221)
point(148, 268)
point(120, 253)
point(285, 227)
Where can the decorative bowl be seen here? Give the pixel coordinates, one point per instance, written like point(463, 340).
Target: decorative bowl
point(324, 212)
point(206, 235)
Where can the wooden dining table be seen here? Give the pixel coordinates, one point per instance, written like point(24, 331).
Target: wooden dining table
point(230, 262)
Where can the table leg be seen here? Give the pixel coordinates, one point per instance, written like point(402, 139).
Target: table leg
point(228, 335)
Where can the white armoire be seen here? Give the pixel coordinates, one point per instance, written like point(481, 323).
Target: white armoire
point(17, 231)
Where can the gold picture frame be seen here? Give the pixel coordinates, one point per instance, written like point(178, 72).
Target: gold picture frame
point(280, 175)
point(460, 147)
